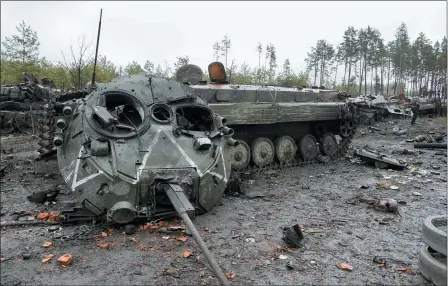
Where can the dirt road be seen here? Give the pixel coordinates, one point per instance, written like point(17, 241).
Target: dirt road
point(243, 232)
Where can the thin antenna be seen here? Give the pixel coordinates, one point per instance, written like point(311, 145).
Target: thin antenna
point(96, 52)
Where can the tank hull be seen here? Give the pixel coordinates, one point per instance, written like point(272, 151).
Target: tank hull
point(280, 126)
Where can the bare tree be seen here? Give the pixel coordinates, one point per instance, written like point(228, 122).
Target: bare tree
point(225, 47)
point(216, 50)
point(78, 62)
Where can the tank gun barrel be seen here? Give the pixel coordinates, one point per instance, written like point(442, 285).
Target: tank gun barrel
point(185, 210)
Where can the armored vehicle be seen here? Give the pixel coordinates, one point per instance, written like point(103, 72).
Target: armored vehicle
point(139, 148)
point(275, 126)
point(20, 103)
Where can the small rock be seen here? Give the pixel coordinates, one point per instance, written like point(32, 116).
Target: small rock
point(26, 255)
point(416, 194)
point(289, 265)
point(138, 272)
point(53, 228)
point(130, 229)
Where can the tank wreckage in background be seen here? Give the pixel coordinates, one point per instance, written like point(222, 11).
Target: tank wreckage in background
point(275, 126)
point(21, 103)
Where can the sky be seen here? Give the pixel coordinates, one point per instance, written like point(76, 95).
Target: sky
point(159, 31)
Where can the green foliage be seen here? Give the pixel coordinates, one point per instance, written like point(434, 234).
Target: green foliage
point(133, 68)
point(369, 64)
point(23, 47)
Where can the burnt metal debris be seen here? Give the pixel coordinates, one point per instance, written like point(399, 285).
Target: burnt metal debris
point(140, 148)
point(373, 108)
point(276, 126)
point(293, 235)
point(22, 105)
point(379, 160)
point(430, 145)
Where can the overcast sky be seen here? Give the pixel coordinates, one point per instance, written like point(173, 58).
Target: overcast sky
point(163, 30)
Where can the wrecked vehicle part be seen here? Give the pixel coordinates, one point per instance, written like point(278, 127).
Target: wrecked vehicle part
point(276, 126)
point(22, 103)
point(380, 161)
point(434, 233)
point(131, 135)
point(432, 265)
point(430, 145)
point(129, 143)
point(293, 235)
point(41, 197)
point(186, 211)
point(439, 138)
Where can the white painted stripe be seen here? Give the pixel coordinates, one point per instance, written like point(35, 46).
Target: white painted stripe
point(149, 150)
point(218, 176)
point(182, 151)
point(78, 161)
point(86, 179)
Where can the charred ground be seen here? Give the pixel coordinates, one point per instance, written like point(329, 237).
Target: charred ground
point(243, 232)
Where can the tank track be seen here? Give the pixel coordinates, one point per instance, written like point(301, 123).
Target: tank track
point(46, 120)
point(252, 169)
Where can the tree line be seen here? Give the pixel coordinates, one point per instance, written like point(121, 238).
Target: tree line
point(369, 64)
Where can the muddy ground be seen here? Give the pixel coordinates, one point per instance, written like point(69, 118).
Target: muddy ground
point(245, 232)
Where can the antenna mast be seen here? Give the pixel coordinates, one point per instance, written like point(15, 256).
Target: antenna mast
point(96, 51)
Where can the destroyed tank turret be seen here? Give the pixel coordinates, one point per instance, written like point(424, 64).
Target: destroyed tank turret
point(140, 148)
point(120, 145)
point(275, 126)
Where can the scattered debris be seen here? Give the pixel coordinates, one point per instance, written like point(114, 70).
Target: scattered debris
point(420, 138)
point(323, 159)
point(47, 258)
point(399, 131)
point(187, 254)
point(43, 216)
point(405, 269)
point(182, 238)
point(380, 161)
point(41, 197)
point(130, 229)
point(430, 145)
point(386, 204)
point(65, 260)
point(344, 266)
point(26, 255)
point(230, 275)
point(283, 257)
point(293, 235)
point(435, 167)
point(104, 245)
point(416, 194)
point(250, 239)
point(380, 260)
point(47, 244)
point(289, 265)
point(2, 259)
